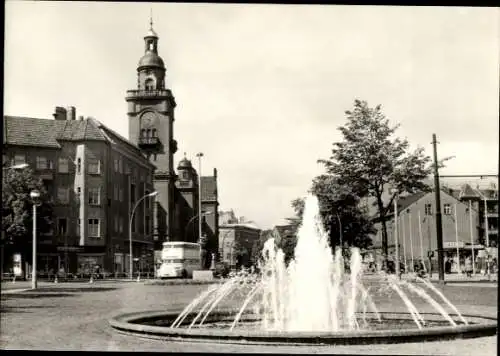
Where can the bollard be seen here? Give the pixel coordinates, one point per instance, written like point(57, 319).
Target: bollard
point(91, 279)
point(56, 280)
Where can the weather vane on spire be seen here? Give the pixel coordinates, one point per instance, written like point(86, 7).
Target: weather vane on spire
point(151, 18)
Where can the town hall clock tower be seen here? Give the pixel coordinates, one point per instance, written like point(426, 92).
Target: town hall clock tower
point(150, 121)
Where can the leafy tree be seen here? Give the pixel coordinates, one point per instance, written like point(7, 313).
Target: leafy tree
point(17, 206)
point(369, 160)
point(258, 245)
point(343, 216)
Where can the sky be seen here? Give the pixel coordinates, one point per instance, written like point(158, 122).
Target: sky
point(262, 89)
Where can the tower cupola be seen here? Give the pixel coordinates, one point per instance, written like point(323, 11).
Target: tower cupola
point(186, 171)
point(151, 68)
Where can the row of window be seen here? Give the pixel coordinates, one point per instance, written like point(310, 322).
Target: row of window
point(94, 195)
point(121, 167)
point(447, 210)
point(93, 165)
point(118, 224)
point(93, 227)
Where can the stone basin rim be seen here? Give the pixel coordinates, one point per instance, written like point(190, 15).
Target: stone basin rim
point(125, 323)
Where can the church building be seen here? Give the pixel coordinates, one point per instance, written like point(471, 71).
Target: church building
point(151, 115)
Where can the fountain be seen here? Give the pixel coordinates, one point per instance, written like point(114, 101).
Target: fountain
point(312, 300)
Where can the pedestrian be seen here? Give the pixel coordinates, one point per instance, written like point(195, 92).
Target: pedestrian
point(468, 266)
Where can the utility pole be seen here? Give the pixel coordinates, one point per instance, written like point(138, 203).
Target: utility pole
point(200, 225)
point(439, 225)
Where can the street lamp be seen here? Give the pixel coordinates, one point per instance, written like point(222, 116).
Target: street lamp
point(199, 155)
point(34, 194)
point(18, 166)
point(131, 262)
point(205, 213)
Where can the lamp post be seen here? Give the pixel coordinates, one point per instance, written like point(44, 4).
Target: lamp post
point(486, 227)
point(199, 155)
point(396, 240)
point(193, 218)
point(35, 194)
point(131, 261)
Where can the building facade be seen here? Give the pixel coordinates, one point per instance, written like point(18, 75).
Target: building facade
point(94, 176)
point(236, 243)
point(463, 220)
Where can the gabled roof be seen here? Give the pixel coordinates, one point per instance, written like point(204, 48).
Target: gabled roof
point(27, 131)
point(113, 136)
point(35, 132)
point(405, 202)
point(467, 192)
point(249, 225)
point(208, 188)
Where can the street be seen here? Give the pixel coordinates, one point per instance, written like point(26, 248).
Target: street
point(74, 316)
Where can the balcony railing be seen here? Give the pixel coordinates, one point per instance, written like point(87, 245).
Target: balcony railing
point(149, 93)
point(149, 141)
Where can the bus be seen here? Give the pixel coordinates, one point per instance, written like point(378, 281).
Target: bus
point(179, 259)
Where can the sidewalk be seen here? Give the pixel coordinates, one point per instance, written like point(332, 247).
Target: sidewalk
point(9, 287)
point(448, 278)
point(455, 277)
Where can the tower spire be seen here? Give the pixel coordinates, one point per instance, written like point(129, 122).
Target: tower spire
point(151, 18)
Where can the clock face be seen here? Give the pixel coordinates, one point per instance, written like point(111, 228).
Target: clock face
point(148, 119)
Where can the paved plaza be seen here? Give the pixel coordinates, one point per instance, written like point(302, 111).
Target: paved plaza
point(74, 316)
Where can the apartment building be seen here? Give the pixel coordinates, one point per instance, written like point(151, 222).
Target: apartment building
point(95, 177)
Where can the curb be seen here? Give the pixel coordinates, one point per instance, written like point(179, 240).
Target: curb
point(13, 291)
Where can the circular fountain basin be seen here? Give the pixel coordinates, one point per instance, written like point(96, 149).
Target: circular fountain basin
point(393, 328)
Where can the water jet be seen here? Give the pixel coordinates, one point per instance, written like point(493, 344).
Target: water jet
point(311, 301)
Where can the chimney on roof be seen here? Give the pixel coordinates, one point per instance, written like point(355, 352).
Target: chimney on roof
point(71, 113)
point(80, 117)
point(215, 172)
point(60, 113)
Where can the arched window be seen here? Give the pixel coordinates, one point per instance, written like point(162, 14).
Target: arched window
point(148, 134)
point(143, 133)
point(79, 165)
point(149, 84)
point(153, 133)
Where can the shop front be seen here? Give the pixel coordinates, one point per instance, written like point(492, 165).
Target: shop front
point(89, 264)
